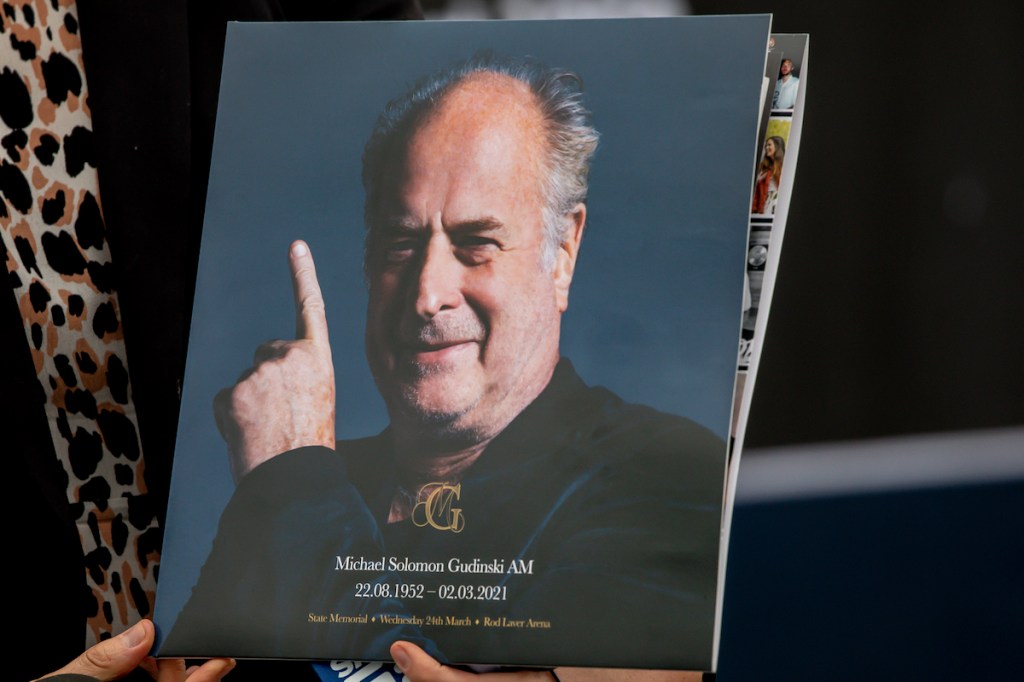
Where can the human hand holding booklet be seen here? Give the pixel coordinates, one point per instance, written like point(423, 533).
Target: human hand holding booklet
point(512, 254)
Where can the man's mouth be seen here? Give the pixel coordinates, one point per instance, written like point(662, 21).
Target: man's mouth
point(439, 352)
point(437, 345)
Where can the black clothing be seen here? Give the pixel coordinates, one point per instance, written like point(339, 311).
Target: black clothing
point(617, 506)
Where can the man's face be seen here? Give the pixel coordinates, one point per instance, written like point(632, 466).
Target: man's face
point(463, 318)
point(786, 68)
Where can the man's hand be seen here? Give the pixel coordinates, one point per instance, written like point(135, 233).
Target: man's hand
point(114, 658)
point(286, 399)
point(418, 666)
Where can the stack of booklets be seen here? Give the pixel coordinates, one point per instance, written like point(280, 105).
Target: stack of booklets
point(503, 415)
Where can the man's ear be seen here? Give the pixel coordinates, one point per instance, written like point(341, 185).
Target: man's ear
point(565, 257)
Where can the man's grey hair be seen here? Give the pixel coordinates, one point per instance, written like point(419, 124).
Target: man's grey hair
point(569, 136)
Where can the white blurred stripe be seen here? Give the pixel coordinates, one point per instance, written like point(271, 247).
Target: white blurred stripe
point(590, 9)
point(558, 9)
point(889, 464)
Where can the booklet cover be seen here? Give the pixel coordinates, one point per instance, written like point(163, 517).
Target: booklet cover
point(495, 418)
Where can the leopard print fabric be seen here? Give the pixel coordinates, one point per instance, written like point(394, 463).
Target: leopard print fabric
point(54, 246)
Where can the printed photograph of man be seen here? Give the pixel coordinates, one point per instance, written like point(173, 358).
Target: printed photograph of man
point(498, 429)
point(786, 87)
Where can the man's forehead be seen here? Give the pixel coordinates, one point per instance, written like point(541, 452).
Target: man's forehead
point(480, 104)
point(489, 92)
point(485, 137)
point(489, 124)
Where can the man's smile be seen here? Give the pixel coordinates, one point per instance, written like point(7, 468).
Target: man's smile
point(447, 353)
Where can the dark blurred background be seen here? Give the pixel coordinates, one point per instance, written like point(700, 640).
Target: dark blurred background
point(898, 304)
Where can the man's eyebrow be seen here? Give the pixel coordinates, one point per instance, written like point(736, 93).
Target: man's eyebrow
point(406, 225)
point(485, 224)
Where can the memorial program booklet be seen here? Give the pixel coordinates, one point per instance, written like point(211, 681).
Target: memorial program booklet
point(530, 239)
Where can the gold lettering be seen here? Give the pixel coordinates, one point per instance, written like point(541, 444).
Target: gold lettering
point(434, 507)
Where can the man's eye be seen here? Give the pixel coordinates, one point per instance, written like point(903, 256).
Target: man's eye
point(472, 249)
point(480, 244)
point(400, 250)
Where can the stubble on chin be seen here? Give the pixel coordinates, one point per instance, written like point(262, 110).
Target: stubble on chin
point(426, 405)
point(434, 429)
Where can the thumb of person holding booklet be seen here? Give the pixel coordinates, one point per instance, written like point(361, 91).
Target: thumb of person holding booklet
point(118, 656)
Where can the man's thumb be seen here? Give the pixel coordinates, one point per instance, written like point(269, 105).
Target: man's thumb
point(115, 657)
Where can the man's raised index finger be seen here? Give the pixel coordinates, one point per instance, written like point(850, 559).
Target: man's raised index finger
point(310, 318)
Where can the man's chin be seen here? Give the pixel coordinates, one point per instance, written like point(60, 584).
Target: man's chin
point(440, 414)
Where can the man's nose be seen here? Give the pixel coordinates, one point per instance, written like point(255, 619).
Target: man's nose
point(440, 279)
